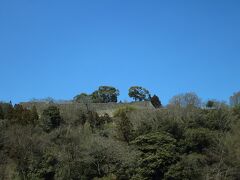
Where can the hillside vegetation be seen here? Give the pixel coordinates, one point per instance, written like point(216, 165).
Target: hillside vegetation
point(96, 137)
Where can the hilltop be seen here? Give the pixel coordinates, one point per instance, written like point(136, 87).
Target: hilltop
point(100, 108)
point(83, 139)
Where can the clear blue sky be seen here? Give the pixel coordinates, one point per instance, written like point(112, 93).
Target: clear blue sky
point(60, 48)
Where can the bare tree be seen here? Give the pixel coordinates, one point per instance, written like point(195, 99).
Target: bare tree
point(235, 99)
point(189, 99)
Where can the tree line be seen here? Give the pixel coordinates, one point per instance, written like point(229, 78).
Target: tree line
point(181, 141)
point(106, 94)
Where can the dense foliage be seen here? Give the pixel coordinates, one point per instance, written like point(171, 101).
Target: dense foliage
point(181, 141)
point(104, 94)
point(156, 101)
point(138, 93)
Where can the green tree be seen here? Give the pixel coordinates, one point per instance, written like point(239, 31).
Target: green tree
point(218, 119)
point(210, 104)
point(138, 93)
point(198, 140)
point(124, 126)
point(51, 118)
point(228, 149)
point(214, 104)
point(105, 94)
point(189, 167)
point(30, 154)
point(34, 115)
point(1, 113)
point(158, 152)
point(156, 101)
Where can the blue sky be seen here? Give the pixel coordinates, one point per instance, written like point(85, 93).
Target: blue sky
point(60, 48)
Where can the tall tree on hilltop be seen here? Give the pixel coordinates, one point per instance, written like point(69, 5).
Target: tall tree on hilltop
point(138, 93)
point(186, 100)
point(105, 94)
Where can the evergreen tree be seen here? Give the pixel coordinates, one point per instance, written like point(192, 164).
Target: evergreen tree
point(156, 102)
point(210, 104)
point(1, 113)
point(34, 114)
point(124, 127)
point(51, 118)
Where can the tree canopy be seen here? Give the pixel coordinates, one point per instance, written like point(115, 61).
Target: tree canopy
point(105, 94)
point(138, 93)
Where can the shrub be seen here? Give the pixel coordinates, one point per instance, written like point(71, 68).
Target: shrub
point(123, 110)
point(124, 127)
point(199, 139)
point(189, 167)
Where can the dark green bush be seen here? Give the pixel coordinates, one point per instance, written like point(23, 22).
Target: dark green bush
point(51, 118)
point(158, 152)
